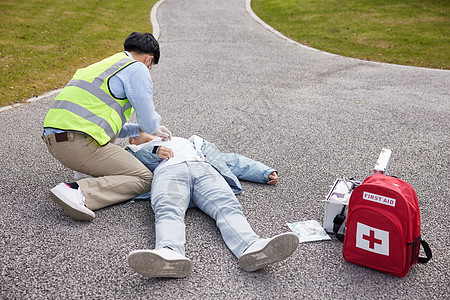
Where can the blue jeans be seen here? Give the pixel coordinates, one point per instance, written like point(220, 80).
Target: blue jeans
point(176, 188)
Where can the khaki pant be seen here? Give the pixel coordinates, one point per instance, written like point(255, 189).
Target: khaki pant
point(117, 175)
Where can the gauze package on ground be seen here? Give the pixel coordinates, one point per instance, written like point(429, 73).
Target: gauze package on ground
point(308, 231)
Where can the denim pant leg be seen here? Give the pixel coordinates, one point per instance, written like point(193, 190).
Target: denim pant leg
point(214, 197)
point(170, 195)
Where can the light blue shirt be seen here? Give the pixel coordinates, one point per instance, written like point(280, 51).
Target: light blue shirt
point(134, 83)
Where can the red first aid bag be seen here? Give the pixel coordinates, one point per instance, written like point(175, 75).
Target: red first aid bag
point(383, 226)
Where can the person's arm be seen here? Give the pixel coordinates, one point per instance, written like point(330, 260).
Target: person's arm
point(141, 138)
point(242, 167)
point(129, 130)
point(138, 88)
point(134, 83)
point(148, 156)
point(152, 156)
point(250, 170)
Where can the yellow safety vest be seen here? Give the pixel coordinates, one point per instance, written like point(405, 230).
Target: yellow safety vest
point(86, 104)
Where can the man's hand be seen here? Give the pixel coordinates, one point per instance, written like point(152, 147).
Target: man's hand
point(142, 138)
point(163, 133)
point(165, 153)
point(273, 178)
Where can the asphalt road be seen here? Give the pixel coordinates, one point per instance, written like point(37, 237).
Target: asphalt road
point(313, 116)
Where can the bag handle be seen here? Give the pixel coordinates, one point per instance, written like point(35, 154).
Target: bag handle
point(428, 253)
point(337, 222)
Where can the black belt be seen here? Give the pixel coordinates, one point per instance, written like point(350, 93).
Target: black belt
point(58, 137)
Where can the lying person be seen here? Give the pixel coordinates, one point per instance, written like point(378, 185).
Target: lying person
point(194, 173)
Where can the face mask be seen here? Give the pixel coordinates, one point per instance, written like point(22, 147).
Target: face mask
point(151, 62)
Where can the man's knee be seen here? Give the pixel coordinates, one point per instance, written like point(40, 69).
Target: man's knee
point(146, 179)
point(147, 176)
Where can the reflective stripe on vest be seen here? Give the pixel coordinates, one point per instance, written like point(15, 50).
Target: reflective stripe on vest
point(100, 93)
point(85, 114)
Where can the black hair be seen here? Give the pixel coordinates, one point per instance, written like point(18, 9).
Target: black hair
point(142, 43)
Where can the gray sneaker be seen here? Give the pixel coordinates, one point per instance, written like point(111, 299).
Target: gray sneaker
point(264, 252)
point(159, 263)
point(72, 201)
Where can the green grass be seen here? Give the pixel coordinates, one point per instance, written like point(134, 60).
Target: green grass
point(406, 32)
point(43, 42)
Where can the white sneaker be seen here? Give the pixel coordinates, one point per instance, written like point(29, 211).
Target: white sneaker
point(159, 263)
point(264, 252)
point(72, 201)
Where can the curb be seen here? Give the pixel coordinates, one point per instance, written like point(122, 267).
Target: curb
point(51, 93)
point(154, 20)
point(282, 36)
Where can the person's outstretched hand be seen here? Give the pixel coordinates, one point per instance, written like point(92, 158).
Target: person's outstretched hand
point(142, 138)
point(273, 178)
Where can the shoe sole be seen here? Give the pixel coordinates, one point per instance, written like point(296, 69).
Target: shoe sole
point(149, 264)
point(75, 212)
point(278, 249)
